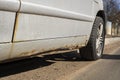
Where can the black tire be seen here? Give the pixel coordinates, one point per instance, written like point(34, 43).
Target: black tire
point(90, 52)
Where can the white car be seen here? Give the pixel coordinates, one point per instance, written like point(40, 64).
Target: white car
point(31, 27)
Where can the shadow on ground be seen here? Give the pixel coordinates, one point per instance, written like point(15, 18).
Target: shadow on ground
point(25, 65)
point(112, 57)
point(16, 67)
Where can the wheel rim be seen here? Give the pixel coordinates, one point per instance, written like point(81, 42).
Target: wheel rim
point(99, 40)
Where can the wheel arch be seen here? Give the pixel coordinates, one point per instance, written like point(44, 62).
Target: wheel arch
point(102, 14)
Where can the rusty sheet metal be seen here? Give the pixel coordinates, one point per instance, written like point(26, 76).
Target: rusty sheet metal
point(11, 51)
point(32, 47)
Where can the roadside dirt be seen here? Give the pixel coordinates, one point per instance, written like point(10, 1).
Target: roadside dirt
point(47, 67)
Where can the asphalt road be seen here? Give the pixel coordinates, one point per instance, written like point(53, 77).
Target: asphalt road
point(65, 66)
point(106, 69)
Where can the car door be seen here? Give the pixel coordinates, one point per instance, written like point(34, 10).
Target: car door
point(45, 25)
point(8, 9)
point(51, 19)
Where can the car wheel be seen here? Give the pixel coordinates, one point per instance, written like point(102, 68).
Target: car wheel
point(95, 46)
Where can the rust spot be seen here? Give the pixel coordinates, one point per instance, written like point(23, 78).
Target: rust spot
point(11, 51)
point(16, 23)
point(14, 34)
point(23, 54)
point(15, 27)
point(66, 46)
point(42, 50)
point(27, 53)
point(33, 51)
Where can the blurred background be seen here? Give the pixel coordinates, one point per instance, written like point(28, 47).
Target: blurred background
point(112, 8)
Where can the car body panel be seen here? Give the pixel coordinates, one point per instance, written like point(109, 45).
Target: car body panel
point(7, 20)
point(5, 50)
point(44, 27)
point(10, 5)
point(27, 48)
point(78, 6)
point(35, 26)
point(49, 20)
